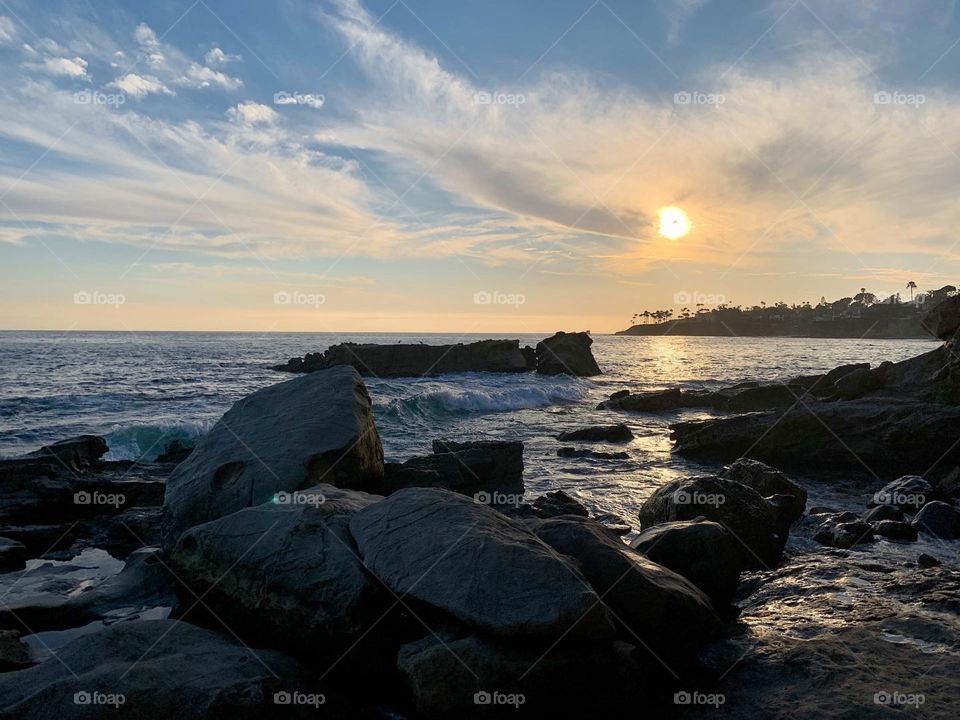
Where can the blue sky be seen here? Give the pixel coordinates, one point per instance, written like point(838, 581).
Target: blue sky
point(343, 165)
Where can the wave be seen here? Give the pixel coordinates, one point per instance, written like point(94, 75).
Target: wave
point(462, 402)
point(146, 442)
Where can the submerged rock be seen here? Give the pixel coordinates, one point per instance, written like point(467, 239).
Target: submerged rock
point(480, 566)
point(572, 452)
point(283, 438)
point(598, 433)
point(415, 360)
point(566, 354)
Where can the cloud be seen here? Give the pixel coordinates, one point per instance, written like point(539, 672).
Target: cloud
point(63, 67)
point(198, 76)
point(677, 13)
point(216, 57)
point(8, 31)
point(173, 67)
point(252, 113)
point(139, 86)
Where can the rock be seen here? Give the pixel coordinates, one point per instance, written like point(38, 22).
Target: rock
point(927, 561)
point(598, 433)
point(76, 453)
point(566, 354)
point(939, 519)
point(283, 438)
point(844, 534)
point(702, 552)
point(415, 360)
point(896, 436)
point(175, 452)
point(571, 452)
point(768, 481)
point(553, 504)
point(14, 655)
point(159, 669)
point(883, 512)
point(517, 678)
point(529, 357)
point(839, 373)
point(475, 677)
point(655, 401)
point(943, 319)
point(466, 468)
point(738, 508)
point(483, 568)
point(858, 383)
point(640, 593)
point(13, 555)
point(763, 397)
point(286, 574)
point(909, 493)
point(894, 530)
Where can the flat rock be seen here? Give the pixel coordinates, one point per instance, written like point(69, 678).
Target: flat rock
point(483, 568)
point(283, 438)
point(598, 433)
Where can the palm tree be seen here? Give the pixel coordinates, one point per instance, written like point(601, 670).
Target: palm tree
point(911, 286)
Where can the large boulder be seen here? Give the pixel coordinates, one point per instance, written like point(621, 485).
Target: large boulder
point(76, 453)
point(485, 569)
point(567, 354)
point(468, 468)
point(943, 319)
point(738, 508)
point(844, 534)
point(704, 552)
point(653, 401)
point(163, 669)
point(939, 519)
point(858, 383)
point(476, 677)
point(598, 433)
point(415, 360)
point(909, 493)
point(768, 481)
point(286, 574)
point(286, 437)
point(652, 605)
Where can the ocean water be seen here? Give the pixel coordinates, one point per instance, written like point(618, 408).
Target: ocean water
point(142, 390)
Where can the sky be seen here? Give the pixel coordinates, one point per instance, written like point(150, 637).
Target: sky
point(483, 166)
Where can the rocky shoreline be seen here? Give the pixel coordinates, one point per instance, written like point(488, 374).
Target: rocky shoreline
point(282, 568)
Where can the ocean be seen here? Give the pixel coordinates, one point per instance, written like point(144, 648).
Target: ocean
point(141, 390)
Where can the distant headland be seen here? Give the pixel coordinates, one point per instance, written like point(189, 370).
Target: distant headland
point(862, 316)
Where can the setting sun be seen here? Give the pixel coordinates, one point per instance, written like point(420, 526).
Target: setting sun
point(674, 223)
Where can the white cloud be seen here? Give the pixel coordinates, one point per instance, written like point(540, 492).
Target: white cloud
point(8, 31)
point(139, 86)
point(63, 67)
point(252, 113)
point(173, 67)
point(216, 57)
point(199, 76)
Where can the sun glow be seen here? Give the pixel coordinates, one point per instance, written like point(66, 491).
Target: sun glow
point(674, 223)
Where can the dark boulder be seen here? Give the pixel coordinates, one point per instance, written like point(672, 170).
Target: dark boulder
point(571, 452)
point(858, 383)
point(598, 433)
point(909, 493)
point(467, 468)
point(556, 503)
point(76, 453)
point(883, 512)
point(13, 555)
point(703, 552)
point(938, 519)
point(640, 593)
point(566, 354)
point(738, 508)
point(844, 535)
point(175, 452)
point(655, 401)
point(768, 481)
point(894, 530)
point(487, 570)
point(943, 319)
point(285, 437)
point(841, 372)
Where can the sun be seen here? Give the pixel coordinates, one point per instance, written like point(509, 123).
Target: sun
point(674, 222)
